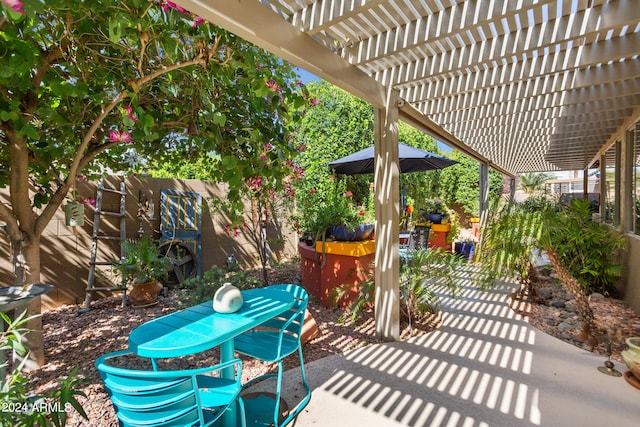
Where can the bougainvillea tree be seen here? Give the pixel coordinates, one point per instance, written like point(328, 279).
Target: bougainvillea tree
point(86, 85)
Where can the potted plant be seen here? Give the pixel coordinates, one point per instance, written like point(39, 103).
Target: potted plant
point(331, 211)
point(142, 268)
point(434, 211)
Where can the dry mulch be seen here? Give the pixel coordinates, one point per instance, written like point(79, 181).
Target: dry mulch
point(76, 340)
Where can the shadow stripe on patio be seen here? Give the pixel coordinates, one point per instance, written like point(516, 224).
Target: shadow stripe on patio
point(484, 366)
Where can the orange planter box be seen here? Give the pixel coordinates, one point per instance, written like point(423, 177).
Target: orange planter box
point(438, 238)
point(355, 249)
point(341, 263)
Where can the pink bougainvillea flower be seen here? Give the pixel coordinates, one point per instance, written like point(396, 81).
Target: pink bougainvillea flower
point(15, 5)
point(254, 183)
point(273, 85)
point(130, 113)
point(348, 194)
point(314, 101)
point(166, 5)
point(314, 191)
point(268, 147)
point(298, 173)
point(120, 136)
point(361, 212)
point(197, 21)
point(88, 201)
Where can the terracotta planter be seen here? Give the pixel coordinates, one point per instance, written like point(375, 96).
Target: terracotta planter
point(144, 293)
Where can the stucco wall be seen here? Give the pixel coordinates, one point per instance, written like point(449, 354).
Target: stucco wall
point(632, 285)
point(65, 251)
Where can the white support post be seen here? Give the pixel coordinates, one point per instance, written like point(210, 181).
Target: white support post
point(512, 188)
point(585, 185)
point(627, 208)
point(484, 190)
point(387, 186)
point(617, 184)
point(603, 187)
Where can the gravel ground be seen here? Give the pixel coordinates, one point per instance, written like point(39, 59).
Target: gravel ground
point(73, 340)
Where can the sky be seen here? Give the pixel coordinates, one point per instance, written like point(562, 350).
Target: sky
point(306, 76)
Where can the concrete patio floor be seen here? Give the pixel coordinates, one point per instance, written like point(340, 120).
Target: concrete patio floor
point(484, 366)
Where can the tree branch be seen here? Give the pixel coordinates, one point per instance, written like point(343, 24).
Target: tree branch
point(83, 157)
point(12, 227)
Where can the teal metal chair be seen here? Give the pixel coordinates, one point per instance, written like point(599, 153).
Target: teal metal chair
point(276, 339)
point(170, 398)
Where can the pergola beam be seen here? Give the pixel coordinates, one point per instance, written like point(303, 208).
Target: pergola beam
point(288, 43)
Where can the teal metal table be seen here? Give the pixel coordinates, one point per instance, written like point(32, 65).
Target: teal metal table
point(200, 328)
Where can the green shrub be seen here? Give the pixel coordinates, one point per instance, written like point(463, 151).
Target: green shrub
point(419, 276)
point(198, 290)
point(21, 409)
point(590, 250)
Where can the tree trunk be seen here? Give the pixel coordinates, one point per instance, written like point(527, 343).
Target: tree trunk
point(526, 283)
point(572, 285)
point(26, 261)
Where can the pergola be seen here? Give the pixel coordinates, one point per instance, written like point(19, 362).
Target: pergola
point(519, 85)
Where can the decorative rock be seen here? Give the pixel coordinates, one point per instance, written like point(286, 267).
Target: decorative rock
point(565, 325)
point(596, 297)
point(545, 293)
point(558, 303)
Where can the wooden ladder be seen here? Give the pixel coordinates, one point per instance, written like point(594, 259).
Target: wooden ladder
point(95, 260)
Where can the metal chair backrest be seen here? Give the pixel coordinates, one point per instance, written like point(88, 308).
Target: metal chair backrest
point(168, 398)
point(291, 321)
point(421, 237)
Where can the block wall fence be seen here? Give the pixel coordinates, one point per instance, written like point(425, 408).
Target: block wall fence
point(65, 251)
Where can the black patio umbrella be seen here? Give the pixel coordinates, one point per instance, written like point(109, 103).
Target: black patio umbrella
point(411, 160)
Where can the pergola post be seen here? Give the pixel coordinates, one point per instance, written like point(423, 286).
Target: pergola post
point(627, 208)
point(484, 190)
point(387, 189)
point(512, 187)
point(585, 185)
point(603, 187)
point(618, 183)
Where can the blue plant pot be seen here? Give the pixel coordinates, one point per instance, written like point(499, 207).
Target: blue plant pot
point(434, 218)
point(465, 249)
point(361, 232)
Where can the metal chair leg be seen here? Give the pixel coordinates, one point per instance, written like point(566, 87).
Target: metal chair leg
point(300, 406)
